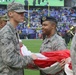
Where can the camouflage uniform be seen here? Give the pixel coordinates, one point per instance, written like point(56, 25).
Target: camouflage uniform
point(4, 17)
point(3, 20)
point(11, 61)
point(73, 54)
point(52, 44)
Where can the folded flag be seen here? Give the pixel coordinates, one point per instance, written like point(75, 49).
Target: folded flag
point(47, 61)
point(52, 57)
point(68, 69)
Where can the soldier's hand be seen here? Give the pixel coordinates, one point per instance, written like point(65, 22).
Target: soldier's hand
point(62, 63)
point(34, 56)
point(20, 43)
point(68, 60)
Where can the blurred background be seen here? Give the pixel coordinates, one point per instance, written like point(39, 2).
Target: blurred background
point(30, 30)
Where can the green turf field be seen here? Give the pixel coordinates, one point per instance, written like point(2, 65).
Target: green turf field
point(51, 2)
point(34, 46)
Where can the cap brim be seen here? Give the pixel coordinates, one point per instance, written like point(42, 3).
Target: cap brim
point(5, 19)
point(20, 11)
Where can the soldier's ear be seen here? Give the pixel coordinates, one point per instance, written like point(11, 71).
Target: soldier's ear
point(10, 14)
point(53, 25)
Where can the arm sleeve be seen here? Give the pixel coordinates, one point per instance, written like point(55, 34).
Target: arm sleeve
point(61, 45)
point(10, 55)
point(53, 69)
point(73, 54)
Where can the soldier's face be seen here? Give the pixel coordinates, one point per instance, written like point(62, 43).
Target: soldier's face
point(2, 24)
point(47, 27)
point(17, 17)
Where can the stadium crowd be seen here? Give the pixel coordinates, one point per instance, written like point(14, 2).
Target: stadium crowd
point(31, 28)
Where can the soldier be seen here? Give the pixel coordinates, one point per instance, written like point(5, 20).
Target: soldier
point(3, 21)
point(73, 54)
point(11, 60)
point(52, 42)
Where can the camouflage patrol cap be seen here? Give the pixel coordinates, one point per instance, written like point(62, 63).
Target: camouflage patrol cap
point(4, 17)
point(17, 7)
point(46, 18)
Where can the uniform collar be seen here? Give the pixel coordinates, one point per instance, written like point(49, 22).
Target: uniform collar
point(50, 39)
point(11, 26)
